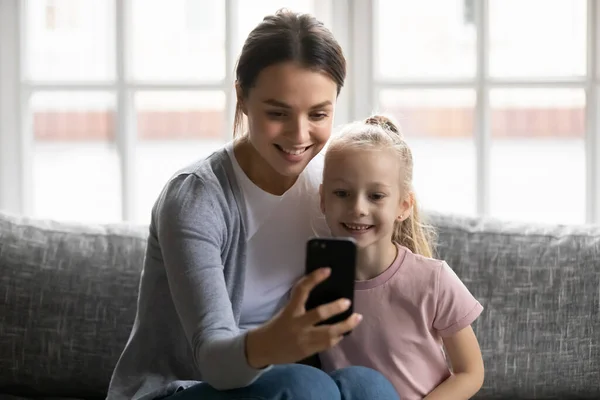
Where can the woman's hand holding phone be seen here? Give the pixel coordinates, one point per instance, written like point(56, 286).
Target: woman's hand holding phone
point(292, 335)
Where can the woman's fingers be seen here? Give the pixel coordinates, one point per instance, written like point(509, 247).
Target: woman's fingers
point(324, 312)
point(327, 336)
point(302, 289)
point(330, 335)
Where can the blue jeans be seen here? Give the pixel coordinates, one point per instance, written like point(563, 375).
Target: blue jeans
point(301, 382)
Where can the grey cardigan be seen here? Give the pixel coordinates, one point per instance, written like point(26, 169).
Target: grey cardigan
point(186, 327)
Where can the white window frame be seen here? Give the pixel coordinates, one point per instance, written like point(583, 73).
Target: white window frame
point(13, 161)
point(368, 86)
point(353, 25)
point(16, 140)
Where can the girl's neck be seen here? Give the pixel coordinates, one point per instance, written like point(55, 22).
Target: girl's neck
point(258, 170)
point(374, 260)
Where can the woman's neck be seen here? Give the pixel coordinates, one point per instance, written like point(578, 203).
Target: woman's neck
point(258, 170)
point(374, 260)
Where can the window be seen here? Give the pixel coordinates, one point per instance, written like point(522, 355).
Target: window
point(118, 95)
point(499, 126)
point(497, 98)
point(198, 14)
point(59, 17)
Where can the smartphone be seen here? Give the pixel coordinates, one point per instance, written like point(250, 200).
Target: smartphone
point(339, 254)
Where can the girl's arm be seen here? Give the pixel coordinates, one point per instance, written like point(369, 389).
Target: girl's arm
point(467, 364)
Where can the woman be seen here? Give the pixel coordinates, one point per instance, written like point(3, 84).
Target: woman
point(215, 316)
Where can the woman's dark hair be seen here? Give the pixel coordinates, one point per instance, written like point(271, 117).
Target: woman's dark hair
point(288, 36)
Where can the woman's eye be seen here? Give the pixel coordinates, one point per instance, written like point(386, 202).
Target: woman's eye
point(319, 116)
point(275, 114)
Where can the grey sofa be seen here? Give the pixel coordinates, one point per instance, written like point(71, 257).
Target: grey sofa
point(68, 299)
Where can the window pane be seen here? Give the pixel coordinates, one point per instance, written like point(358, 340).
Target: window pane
point(178, 40)
point(69, 40)
point(251, 13)
point(424, 39)
point(539, 38)
point(174, 129)
point(438, 126)
point(76, 172)
point(538, 157)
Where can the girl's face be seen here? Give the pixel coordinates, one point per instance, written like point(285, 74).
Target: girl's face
point(290, 116)
point(361, 195)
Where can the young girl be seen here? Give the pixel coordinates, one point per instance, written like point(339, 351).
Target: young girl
point(411, 303)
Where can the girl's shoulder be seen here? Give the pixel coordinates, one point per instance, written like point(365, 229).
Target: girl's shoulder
point(435, 275)
point(421, 263)
point(421, 272)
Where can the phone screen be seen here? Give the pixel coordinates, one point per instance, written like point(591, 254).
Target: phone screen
point(339, 254)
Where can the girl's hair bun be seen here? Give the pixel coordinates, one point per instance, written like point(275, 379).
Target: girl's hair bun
point(384, 122)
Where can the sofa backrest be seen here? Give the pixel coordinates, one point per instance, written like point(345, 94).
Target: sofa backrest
point(67, 303)
point(540, 288)
point(68, 297)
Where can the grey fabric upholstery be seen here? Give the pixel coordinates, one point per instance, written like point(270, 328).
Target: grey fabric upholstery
point(540, 286)
point(68, 298)
point(11, 397)
point(67, 303)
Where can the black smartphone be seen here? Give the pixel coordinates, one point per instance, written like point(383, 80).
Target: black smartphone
point(339, 254)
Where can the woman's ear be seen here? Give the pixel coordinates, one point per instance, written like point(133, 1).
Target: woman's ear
point(239, 93)
point(322, 198)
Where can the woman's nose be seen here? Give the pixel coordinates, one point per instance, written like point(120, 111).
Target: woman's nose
point(299, 131)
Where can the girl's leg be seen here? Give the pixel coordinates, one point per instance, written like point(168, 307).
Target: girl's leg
point(361, 383)
point(282, 382)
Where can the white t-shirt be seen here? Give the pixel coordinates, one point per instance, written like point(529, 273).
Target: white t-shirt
point(278, 228)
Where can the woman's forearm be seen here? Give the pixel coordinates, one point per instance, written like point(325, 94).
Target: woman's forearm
point(460, 386)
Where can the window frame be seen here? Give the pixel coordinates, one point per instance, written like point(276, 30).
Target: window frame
point(352, 22)
point(483, 84)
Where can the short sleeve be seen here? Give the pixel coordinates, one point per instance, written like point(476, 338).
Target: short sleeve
point(456, 308)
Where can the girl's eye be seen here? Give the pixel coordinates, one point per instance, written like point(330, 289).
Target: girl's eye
point(377, 196)
point(319, 116)
point(340, 193)
point(275, 114)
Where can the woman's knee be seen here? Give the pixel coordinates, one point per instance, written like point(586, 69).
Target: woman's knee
point(282, 382)
point(298, 381)
point(358, 382)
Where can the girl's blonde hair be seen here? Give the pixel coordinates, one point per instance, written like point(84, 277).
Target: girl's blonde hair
point(381, 132)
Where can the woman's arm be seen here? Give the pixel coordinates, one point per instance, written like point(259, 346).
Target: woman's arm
point(190, 224)
point(467, 365)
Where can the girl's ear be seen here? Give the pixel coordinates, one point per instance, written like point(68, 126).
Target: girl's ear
point(405, 206)
point(322, 198)
point(240, 98)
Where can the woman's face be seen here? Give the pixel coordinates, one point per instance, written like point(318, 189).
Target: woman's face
point(290, 115)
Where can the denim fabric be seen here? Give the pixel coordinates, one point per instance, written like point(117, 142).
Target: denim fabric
point(301, 382)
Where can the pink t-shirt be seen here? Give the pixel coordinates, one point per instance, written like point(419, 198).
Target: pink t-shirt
point(406, 311)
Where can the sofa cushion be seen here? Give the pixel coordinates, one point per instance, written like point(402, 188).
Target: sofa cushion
point(67, 303)
point(68, 298)
point(540, 286)
point(11, 397)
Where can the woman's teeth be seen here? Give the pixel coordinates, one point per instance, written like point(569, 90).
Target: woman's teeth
point(294, 152)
